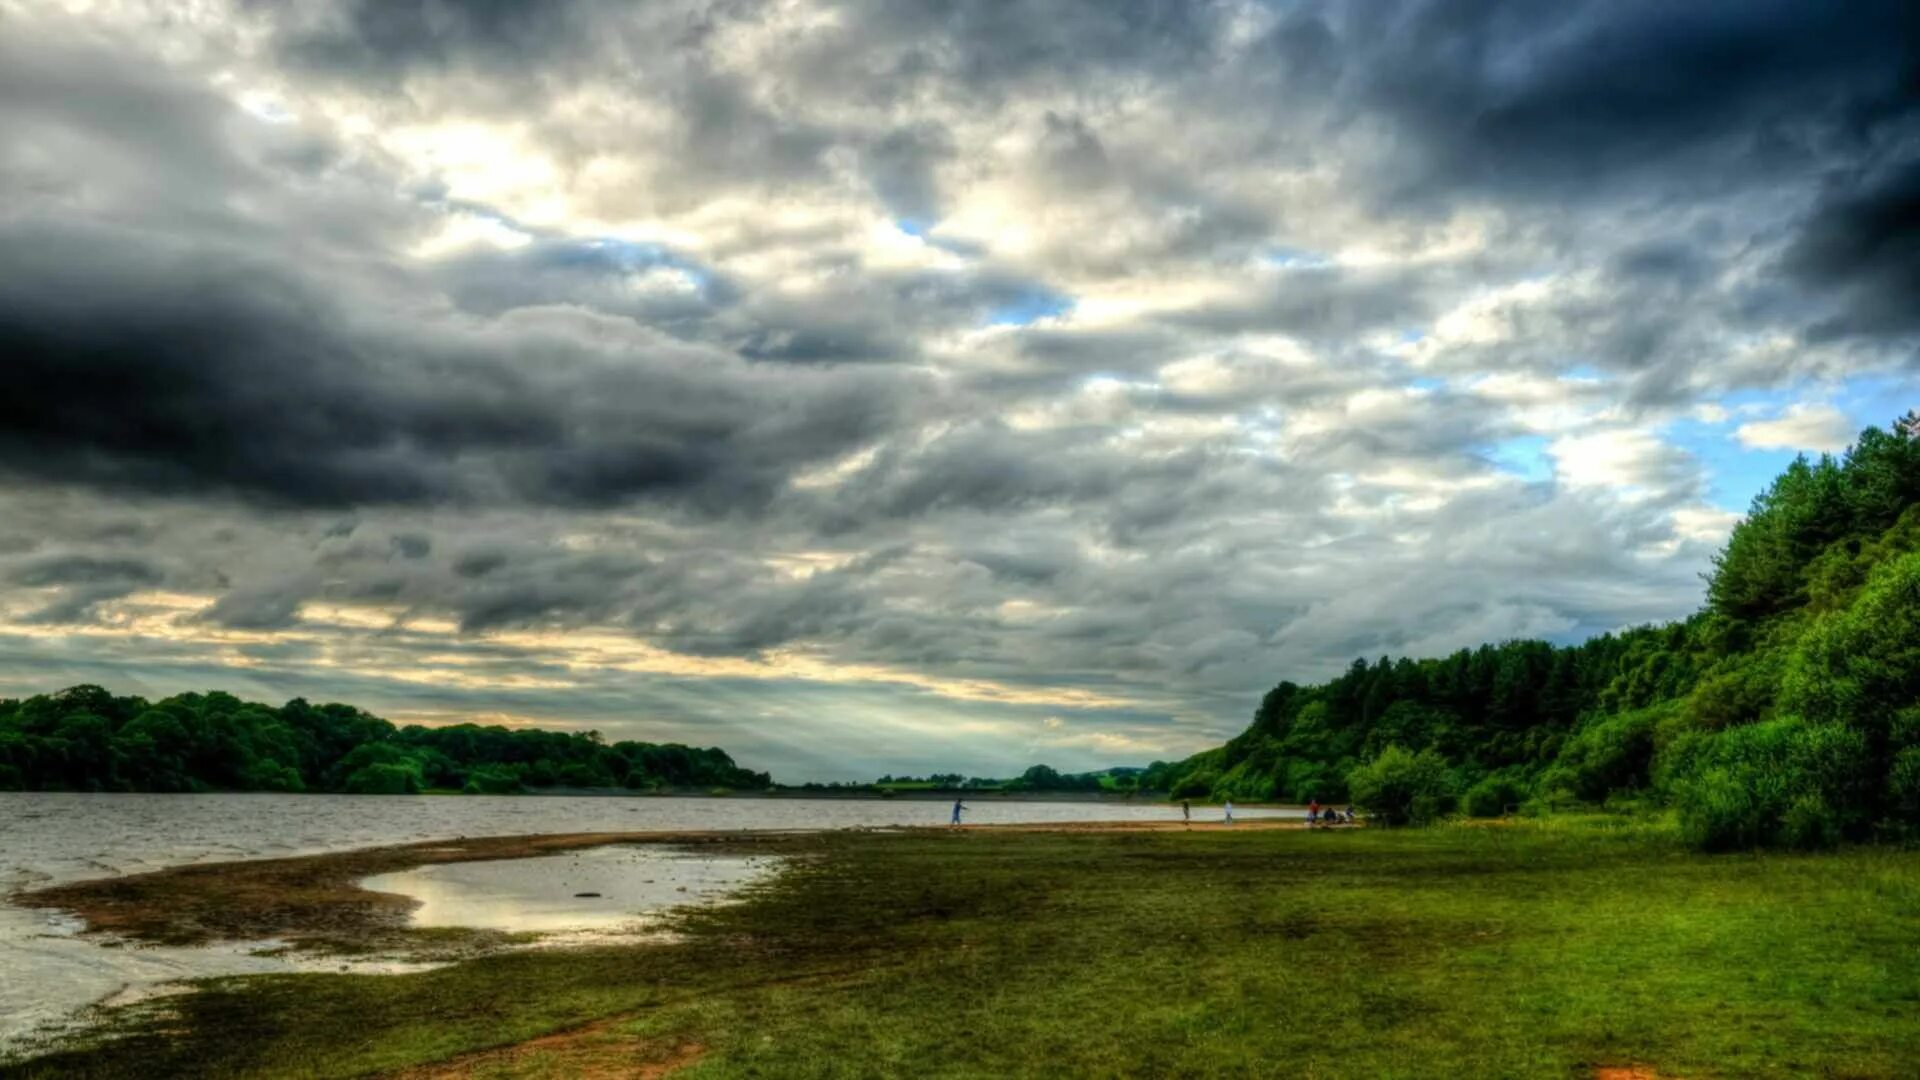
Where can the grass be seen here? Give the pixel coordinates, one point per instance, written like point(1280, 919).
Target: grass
point(1531, 949)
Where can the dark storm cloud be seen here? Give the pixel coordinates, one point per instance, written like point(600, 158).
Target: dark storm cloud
point(1323, 303)
point(387, 37)
point(181, 369)
point(993, 52)
point(1519, 97)
point(272, 608)
point(1863, 246)
point(86, 570)
point(81, 583)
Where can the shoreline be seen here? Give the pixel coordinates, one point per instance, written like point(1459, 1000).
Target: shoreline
point(1144, 799)
point(317, 902)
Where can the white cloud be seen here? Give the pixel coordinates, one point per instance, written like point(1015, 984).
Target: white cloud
point(1820, 428)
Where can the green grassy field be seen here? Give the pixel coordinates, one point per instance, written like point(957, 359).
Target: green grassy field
point(1535, 949)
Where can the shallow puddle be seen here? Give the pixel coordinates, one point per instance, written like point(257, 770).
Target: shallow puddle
point(592, 889)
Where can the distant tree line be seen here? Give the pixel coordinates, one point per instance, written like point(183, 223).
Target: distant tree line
point(1036, 778)
point(86, 739)
point(1786, 712)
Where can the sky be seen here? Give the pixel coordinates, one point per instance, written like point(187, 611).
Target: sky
point(894, 386)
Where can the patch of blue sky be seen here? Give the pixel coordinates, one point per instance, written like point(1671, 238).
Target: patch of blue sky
point(561, 249)
point(1293, 257)
point(632, 256)
point(1029, 306)
point(923, 230)
point(1524, 456)
point(1735, 472)
point(1427, 383)
point(1877, 400)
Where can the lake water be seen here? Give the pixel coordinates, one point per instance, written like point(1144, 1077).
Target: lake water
point(48, 972)
point(597, 889)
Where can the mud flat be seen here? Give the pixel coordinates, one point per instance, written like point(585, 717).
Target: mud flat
point(320, 901)
point(593, 889)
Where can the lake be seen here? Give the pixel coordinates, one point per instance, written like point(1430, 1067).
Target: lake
point(50, 972)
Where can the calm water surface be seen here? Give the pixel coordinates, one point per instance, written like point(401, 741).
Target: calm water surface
point(48, 973)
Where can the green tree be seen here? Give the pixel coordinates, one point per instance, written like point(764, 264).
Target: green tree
point(1401, 788)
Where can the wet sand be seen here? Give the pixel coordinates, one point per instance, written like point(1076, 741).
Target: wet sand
point(585, 893)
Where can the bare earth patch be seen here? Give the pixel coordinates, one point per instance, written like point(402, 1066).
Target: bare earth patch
point(1627, 1072)
point(597, 1051)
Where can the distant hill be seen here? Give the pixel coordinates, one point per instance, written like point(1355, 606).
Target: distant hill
point(86, 739)
point(1785, 712)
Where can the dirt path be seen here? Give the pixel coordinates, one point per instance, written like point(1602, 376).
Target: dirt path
point(596, 1051)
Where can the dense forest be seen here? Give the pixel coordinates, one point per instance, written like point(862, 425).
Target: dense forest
point(86, 739)
point(1785, 712)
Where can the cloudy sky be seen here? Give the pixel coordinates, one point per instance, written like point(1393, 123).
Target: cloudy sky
point(914, 384)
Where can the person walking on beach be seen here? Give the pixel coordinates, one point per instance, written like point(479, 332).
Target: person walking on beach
point(1186, 812)
point(958, 806)
point(1229, 809)
point(1313, 813)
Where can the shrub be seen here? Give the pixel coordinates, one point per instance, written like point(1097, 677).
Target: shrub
point(1861, 666)
point(383, 779)
point(1781, 782)
point(1738, 694)
point(1244, 785)
point(1402, 788)
point(270, 775)
point(492, 781)
point(1903, 786)
point(1607, 754)
point(1195, 785)
point(1809, 824)
point(1493, 796)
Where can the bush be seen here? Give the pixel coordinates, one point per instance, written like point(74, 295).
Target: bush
point(1740, 693)
point(383, 779)
point(1861, 666)
point(1195, 785)
point(1607, 754)
point(1493, 796)
point(492, 781)
point(270, 775)
point(1402, 788)
point(1903, 786)
point(1784, 782)
point(1245, 784)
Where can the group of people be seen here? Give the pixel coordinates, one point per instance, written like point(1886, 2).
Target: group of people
point(1318, 816)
